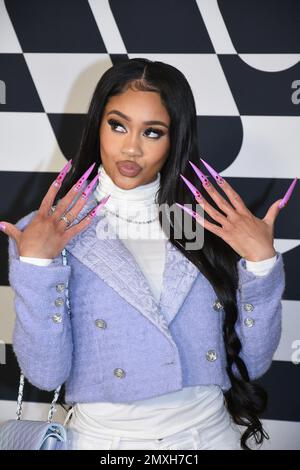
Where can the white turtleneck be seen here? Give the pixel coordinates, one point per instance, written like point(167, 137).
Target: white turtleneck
point(165, 414)
point(145, 241)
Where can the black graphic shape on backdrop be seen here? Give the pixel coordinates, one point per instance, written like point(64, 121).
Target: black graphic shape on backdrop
point(55, 26)
point(219, 139)
point(259, 93)
point(20, 194)
point(291, 262)
point(282, 384)
point(68, 129)
point(158, 26)
point(271, 26)
point(21, 94)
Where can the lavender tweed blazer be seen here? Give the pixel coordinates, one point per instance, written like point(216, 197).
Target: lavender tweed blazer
point(119, 344)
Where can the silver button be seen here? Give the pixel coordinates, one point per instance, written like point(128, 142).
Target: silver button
point(248, 307)
point(217, 305)
point(100, 323)
point(211, 355)
point(119, 373)
point(249, 322)
point(57, 318)
point(59, 301)
point(60, 287)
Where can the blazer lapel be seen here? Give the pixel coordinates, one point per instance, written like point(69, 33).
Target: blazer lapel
point(100, 249)
point(179, 276)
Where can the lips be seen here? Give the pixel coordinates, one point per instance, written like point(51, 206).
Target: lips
point(127, 168)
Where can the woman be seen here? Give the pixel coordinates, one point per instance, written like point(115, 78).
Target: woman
point(165, 336)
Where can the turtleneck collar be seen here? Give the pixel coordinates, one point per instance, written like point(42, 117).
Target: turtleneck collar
point(138, 204)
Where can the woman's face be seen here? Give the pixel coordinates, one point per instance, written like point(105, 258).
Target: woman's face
point(132, 151)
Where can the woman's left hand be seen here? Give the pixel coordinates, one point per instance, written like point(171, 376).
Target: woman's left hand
point(251, 237)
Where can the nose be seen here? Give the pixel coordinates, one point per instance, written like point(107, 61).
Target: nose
point(131, 146)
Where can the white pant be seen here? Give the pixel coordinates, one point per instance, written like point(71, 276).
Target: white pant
point(221, 434)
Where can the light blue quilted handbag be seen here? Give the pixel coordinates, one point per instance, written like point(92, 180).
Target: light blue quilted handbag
point(17, 434)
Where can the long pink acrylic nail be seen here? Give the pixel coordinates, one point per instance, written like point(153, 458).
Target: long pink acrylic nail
point(288, 194)
point(194, 190)
point(57, 182)
point(200, 175)
point(189, 211)
point(89, 187)
point(213, 172)
point(97, 208)
point(84, 177)
point(2, 226)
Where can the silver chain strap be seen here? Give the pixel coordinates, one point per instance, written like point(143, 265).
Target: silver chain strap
point(65, 262)
point(52, 409)
point(20, 397)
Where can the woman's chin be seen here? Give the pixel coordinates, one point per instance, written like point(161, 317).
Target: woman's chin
point(125, 182)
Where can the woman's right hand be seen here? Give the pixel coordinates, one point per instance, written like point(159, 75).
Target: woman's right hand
point(47, 234)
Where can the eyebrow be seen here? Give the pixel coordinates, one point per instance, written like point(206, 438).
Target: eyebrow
point(128, 118)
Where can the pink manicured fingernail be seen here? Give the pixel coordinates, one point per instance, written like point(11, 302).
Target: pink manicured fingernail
point(2, 226)
point(100, 205)
point(89, 187)
point(213, 172)
point(189, 211)
point(57, 182)
point(84, 177)
point(194, 190)
point(200, 175)
point(288, 194)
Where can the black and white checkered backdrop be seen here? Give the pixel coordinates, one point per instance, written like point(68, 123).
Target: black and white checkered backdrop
point(241, 58)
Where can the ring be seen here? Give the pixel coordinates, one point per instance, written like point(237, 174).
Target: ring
point(65, 219)
point(52, 209)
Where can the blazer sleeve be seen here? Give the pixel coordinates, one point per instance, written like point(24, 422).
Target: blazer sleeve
point(259, 323)
point(42, 336)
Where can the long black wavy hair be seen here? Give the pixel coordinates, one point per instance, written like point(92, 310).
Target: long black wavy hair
point(217, 261)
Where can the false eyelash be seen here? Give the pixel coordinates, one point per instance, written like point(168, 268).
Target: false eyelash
point(113, 122)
